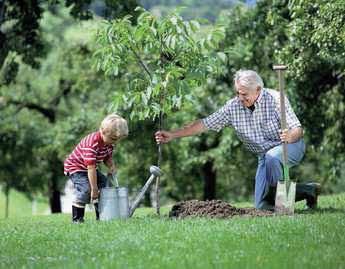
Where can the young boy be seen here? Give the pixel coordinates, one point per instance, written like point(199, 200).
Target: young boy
point(81, 164)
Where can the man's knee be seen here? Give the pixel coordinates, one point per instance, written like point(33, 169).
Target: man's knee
point(272, 161)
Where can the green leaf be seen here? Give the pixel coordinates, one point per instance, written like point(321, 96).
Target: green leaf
point(154, 31)
point(222, 56)
point(148, 92)
point(195, 26)
point(156, 108)
point(155, 79)
point(144, 99)
point(173, 20)
point(139, 8)
point(115, 70)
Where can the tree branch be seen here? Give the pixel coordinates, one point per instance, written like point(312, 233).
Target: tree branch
point(66, 88)
point(2, 11)
point(141, 62)
point(49, 113)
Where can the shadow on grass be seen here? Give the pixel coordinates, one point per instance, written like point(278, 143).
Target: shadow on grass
point(320, 210)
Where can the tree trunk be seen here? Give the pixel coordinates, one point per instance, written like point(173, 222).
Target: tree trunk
point(54, 190)
point(7, 194)
point(210, 177)
point(54, 186)
point(208, 172)
point(54, 196)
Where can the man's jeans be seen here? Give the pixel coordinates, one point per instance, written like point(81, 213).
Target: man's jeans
point(270, 168)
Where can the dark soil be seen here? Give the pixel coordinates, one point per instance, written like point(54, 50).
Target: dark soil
point(213, 209)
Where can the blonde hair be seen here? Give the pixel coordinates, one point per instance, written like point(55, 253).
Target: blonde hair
point(114, 125)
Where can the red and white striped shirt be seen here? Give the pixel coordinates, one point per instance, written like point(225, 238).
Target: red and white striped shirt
point(90, 150)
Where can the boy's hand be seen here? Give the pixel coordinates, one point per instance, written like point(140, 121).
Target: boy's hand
point(94, 194)
point(111, 166)
point(92, 175)
point(111, 170)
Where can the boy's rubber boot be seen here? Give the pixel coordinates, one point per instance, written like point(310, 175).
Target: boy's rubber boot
point(78, 214)
point(96, 210)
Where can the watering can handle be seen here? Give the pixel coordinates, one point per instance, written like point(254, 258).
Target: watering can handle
point(113, 179)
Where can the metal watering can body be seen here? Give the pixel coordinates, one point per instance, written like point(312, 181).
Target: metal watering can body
point(114, 201)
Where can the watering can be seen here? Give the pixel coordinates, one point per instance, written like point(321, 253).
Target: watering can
point(114, 202)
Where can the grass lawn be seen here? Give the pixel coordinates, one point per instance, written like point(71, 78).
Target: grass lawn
point(305, 240)
point(20, 206)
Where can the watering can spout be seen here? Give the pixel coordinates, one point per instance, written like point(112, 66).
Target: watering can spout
point(155, 172)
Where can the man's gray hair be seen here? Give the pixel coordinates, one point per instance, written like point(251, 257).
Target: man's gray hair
point(249, 79)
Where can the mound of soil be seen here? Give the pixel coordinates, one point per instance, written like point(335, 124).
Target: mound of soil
point(212, 209)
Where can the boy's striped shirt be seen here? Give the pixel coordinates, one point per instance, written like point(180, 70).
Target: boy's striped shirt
point(90, 150)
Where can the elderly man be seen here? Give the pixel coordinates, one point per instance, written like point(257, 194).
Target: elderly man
point(255, 115)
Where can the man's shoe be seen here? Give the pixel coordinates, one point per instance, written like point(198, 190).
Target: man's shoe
point(264, 205)
point(313, 195)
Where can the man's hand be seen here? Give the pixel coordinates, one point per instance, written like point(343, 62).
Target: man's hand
point(163, 137)
point(285, 136)
point(190, 129)
point(291, 135)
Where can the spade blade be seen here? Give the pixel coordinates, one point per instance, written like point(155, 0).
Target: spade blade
point(285, 198)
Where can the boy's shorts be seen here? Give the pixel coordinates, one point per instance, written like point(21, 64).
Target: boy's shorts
point(81, 186)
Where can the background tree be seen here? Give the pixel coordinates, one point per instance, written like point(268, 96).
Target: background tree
point(293, 32)
point(315, 53)
point(60, 100)
point(192, 9)
point(20, 31)
point(18, 158)
point(65, 91)
point(257, 38)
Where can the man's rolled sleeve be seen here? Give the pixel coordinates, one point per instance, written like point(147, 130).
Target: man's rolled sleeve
point(291, 118)
point(218, 120)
